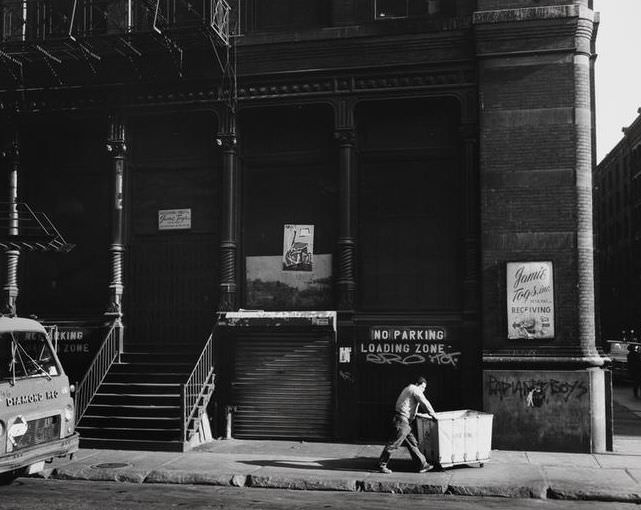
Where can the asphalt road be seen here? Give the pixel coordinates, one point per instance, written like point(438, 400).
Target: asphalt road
point(38, 494)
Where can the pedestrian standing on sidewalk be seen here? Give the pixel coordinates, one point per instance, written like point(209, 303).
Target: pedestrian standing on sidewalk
point(634, 369)
point(406, 408)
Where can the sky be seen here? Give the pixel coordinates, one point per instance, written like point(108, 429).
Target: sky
point(617, 70)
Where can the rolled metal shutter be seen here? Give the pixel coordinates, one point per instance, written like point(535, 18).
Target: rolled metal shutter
point(283, 384)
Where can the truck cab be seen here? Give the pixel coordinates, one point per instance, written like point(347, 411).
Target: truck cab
point(37, 413)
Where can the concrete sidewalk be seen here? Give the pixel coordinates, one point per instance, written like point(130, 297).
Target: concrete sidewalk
point(612, 476)
point(346, 467)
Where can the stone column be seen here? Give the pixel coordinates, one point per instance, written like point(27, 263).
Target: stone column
point(10, 289)
point(583, 149)
point(227, 140)
point(117, 148)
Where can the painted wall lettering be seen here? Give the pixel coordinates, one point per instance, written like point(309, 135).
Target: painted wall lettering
point(408, 345)
point(406, 333)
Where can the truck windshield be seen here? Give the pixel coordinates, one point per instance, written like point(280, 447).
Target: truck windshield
point(25, 354)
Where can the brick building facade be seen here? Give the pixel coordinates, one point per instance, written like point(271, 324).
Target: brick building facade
point(421, 168)
point(617, 205)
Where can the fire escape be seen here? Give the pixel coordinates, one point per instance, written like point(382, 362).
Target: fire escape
point(48, 43)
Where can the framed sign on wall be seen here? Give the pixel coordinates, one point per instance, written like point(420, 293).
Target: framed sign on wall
point(174, 219)
point(530, 300)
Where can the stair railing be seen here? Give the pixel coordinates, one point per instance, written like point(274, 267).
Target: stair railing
point(102, 361)
point(198, 389)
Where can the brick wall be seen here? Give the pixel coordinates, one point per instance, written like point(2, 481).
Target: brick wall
point(535, 159)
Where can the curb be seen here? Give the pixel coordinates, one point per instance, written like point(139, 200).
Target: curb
point(537, 489)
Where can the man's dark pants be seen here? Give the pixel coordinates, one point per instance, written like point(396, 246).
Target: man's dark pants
point(402, 435)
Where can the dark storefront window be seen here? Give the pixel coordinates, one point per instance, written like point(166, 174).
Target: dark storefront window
point(289, 225)
point(411, 207)
point(263, 15)
point(65, 173)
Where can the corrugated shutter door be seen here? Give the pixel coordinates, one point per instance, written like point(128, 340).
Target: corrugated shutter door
point(283, 384)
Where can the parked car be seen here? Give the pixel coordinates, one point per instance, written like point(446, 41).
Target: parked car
point(617, 351)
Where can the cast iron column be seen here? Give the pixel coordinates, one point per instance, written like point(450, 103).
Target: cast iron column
point(10, 289)
point(346, 269)
point(228, 141)
point(346, 249)
point(470, 363)
point(472, 252)
point(117, 148)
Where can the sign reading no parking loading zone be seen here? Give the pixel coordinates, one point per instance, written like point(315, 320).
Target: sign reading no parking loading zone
point(408, 345)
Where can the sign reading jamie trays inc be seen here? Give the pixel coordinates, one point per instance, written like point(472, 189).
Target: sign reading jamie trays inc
point(530, 300)
point(408, 345)
point(174, 219)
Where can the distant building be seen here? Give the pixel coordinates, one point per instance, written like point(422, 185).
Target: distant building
point(421, 168)
point(617, 205)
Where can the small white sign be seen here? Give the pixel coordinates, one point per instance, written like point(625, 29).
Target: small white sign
point(174, 219)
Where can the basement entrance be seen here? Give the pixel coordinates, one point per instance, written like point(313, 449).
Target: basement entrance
point(276, 374)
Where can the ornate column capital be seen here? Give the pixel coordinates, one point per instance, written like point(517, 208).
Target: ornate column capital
point(116, 145)
point(227, 141)
point(345, 136)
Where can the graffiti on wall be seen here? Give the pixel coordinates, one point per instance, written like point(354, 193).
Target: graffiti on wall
point(409, 354)
point(535, 392)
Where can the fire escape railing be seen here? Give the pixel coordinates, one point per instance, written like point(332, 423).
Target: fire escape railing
point(198, 389)
point(42, 20)
point(63, 39)
point(105, 357)
point(35, 231)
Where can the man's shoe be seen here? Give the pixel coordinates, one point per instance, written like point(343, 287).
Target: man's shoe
point(384, 469)
point(426, 468)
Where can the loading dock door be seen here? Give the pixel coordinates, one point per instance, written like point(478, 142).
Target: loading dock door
point(282, 383)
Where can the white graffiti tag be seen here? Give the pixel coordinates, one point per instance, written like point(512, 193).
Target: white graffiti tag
point(443, 358)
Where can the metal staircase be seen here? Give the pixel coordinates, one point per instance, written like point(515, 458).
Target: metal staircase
point(151, 398)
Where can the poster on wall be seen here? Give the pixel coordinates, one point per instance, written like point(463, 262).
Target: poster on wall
point(298, 247)
point(530, 300)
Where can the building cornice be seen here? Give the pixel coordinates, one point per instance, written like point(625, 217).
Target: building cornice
point(553, 12)
point(308, 86)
